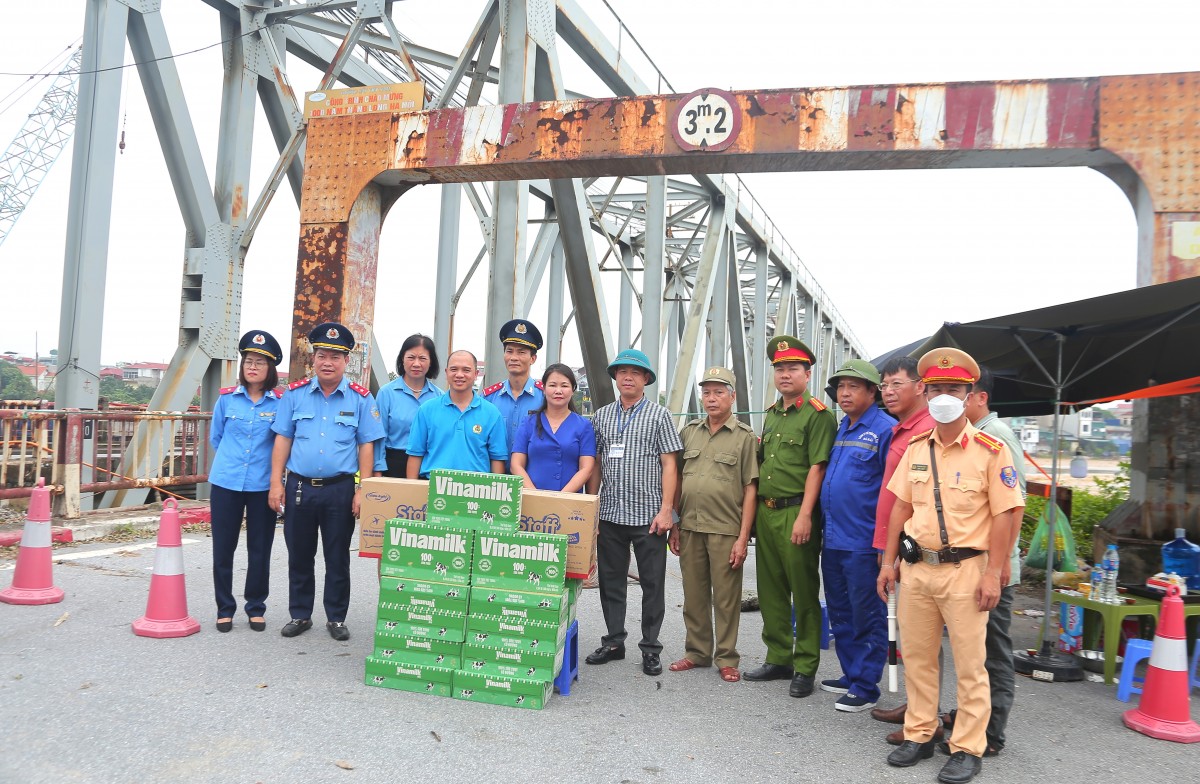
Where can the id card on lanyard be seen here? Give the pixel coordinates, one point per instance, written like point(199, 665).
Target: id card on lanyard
point(617, 450)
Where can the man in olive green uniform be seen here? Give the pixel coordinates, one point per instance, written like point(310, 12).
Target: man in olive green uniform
point(716, 503)
point(798, 434)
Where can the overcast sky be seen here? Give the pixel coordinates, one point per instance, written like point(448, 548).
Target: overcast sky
point(899, 252)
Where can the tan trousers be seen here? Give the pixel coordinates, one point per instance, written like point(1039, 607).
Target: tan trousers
point(712, 590)
point(930, 597)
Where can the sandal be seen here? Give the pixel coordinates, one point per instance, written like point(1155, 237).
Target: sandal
point(730, 674)
point(683, 665)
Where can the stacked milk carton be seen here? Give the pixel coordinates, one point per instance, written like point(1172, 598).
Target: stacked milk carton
point(468, 605)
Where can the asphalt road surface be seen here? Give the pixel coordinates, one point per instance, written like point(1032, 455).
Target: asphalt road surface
point(82, 699)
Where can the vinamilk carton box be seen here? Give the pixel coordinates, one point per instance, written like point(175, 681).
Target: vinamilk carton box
point(421, 679)
point(423, 551)
point(434, 625)
point(467, 499)
point(570, 514)
point(538, 665)
point(417, 650)
point(533, 563)
point(497, 632)
point(424, 594)
point(521, 605)
point(388, 499)
point(501, 690)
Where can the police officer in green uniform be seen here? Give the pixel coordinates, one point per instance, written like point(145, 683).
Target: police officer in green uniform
point(798, 434)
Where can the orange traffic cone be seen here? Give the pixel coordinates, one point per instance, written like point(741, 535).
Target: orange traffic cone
point(1163, 711)
point(33, 581)
point(166, 609)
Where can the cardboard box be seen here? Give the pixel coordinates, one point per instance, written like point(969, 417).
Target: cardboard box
point(520, 562)
point(501, 690)
point(423, 551)
point(485, 502)
point(499, 632)
point(521, 605)
point(574, 585)
point(424, 594)
point(534, 665)
point(417, 650)
point(571, 514)
point(451, 630)
point(388, 499)
point(409, 677)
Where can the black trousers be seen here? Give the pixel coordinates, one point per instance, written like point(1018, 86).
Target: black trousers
point(397, 463)
point(326, 511)
point(612, 567)
point(228, 506)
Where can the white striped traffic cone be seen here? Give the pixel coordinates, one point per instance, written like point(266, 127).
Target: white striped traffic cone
point(1163, 711)
point(33, 579)
point(166, 609)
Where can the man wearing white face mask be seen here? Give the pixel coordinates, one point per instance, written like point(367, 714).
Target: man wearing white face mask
point(956, 489)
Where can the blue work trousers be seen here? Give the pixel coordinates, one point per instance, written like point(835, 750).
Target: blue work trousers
point(857, 617)
point(228, 508)
point(326, 511)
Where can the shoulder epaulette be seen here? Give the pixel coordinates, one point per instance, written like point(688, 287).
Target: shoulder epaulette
point(298, 384)
point(493, 388)
point(360, 389)
point(744, 426)
point(538, 384)
point(228, 390)
point(817, 404)
point(920, 436)
point(278, 392)
point(992, 444)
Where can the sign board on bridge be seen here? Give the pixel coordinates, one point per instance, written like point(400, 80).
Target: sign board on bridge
point(399, 97)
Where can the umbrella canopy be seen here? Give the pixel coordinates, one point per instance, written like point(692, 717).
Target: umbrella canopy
point(1110, 345)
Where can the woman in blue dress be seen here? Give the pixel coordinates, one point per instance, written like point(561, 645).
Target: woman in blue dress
point(555, 448)
point(241, 436)
point(417, 364)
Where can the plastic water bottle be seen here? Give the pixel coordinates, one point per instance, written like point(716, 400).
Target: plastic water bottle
point(1098, 582)
point(1112, 564)
point(1183, 558)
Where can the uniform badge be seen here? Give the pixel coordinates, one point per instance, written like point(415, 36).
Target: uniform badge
point(944, 361)
point(520, 329)
point(258, 339)
point(331, 333)
point(782, 345)
point(1008, 476)
point(375, 413)
point(477, 429)
point(919, 467)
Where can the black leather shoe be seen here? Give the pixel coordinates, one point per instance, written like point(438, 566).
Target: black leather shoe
point(295, 627)
point(605, 654)
point(801, 686)
point(338, 631)
point(910, 753)
point(961, 768)
point(651, 665)
point(224, 626)
point(944, 747)
point(768, 672)
point(258, 626)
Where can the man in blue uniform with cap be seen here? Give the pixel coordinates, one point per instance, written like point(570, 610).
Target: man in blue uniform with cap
point(325, 429)
point(520, 395)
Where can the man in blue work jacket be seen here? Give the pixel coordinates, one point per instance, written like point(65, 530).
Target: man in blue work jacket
point(325, 429)
point(518, 395)
point(460, 430)
point(849, 493)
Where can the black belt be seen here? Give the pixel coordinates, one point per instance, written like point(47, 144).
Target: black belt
point(322, 482)
point(782, 503)
point(949, 555)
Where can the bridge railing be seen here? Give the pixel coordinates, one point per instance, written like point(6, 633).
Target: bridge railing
point(81, 453)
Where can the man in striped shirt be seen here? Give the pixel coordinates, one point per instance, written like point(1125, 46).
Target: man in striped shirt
point(636, 446)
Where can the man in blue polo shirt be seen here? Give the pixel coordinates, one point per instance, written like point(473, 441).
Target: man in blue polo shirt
point(849, 493)
point(460, 430)
point(519, 395)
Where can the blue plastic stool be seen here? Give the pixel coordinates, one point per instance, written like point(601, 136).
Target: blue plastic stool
point(825, 633)
point(570, 665)
point(1135, 651)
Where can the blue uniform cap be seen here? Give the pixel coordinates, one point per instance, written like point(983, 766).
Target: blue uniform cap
point(631, 357)
point(259, 342)
point(522, 333)
point(331, 335)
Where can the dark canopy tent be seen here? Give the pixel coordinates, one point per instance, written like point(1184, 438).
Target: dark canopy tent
point(1080, 351)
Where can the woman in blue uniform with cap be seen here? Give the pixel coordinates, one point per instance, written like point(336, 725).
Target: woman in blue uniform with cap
point(241, 435)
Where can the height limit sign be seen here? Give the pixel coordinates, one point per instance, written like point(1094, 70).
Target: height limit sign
point(707, 120)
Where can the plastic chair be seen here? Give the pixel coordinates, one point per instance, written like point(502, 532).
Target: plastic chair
point(1135, 651)
point(570, 665)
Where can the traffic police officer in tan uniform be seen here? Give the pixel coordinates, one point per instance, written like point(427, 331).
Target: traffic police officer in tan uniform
point(716, 502)
point(956, 489)
point(798, 434)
